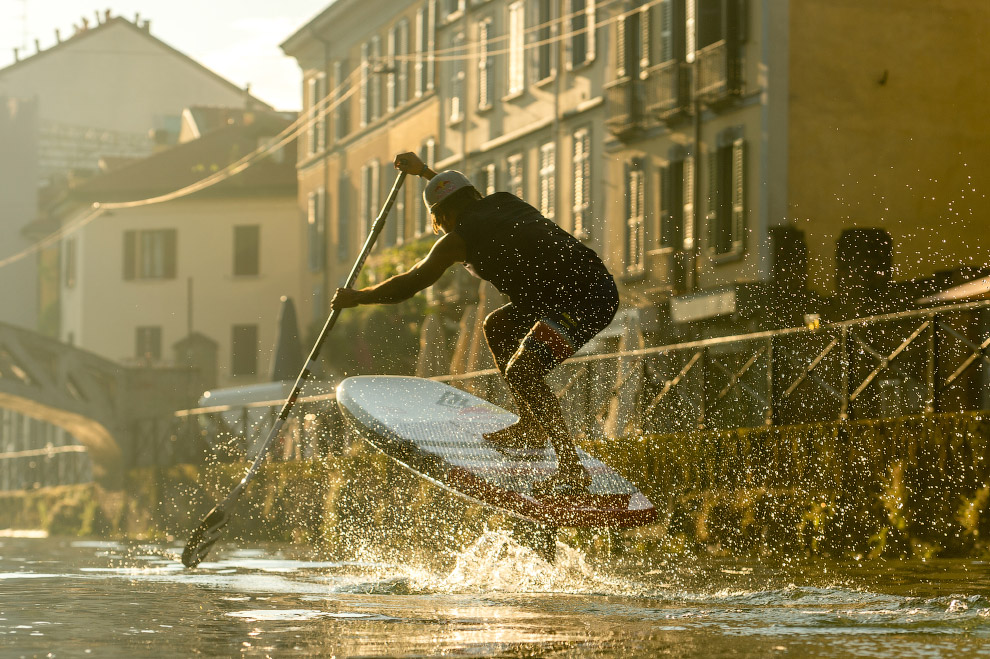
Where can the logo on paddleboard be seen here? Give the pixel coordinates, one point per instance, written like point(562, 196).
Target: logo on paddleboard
point(465, 404)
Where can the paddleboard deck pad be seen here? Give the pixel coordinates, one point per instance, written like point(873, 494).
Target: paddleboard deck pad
point(437, 432)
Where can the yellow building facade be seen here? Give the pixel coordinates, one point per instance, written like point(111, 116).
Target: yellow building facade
point(689, 142)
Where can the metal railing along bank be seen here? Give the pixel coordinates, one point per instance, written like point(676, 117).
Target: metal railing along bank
point(916, 362)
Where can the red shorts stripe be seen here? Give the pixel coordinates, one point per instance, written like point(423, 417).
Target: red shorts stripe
point(555, 340)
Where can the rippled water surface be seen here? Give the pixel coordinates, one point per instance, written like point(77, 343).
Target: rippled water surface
point(67, 598)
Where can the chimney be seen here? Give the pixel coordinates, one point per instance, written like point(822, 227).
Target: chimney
point(58, 35)
point(107, 15)
point(99, 18)
point(17, 54)
point(146, 25)
point(137, 18)
point(85, 24)
point(37, 45)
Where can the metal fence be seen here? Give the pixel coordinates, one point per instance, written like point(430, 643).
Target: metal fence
point(917, 362)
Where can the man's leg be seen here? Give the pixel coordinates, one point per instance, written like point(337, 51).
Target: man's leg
point(545, 346)
point(505, 329)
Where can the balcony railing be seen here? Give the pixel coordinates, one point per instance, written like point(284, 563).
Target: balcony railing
point(716, 71)
point(625, 107)
point(667, 87)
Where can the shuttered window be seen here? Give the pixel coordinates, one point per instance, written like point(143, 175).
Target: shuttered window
point(517, 48)
point(148, 343)
point(244, 350)
point(486, 66)
point(457, 79)
point(344, 218)
point(150, 254)
point(581, 26)
point(548, 179)
point(369, 196)
point(671, 206)
point(543, 50)
point(247, 250)
point(316, 91)
point(635, 256)
point(687, 196)
point(316, 219)
point(582, 184)
point(340, 115)
point(427, 153)
point(516, 183)
point(727, 208)
point(397, 82)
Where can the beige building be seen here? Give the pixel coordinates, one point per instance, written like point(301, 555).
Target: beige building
point(708, 149)
point(136, 284)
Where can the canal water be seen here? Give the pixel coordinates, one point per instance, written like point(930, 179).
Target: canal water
point(76, 598)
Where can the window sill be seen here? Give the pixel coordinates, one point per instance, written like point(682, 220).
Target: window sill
point(546, 82)
point(511, 96)
point(630, 277)
point(455, 121)
point(727, 257)
point(574, 68)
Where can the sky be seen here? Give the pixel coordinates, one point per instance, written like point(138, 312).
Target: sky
point(238, 39)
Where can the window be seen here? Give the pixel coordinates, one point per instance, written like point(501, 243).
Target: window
point(316, 90)
point(341, 118)
point(427, 153)
point(544, 48)
point(457, 82)
point(247, 250)
point(244, 350)
point(148, 343)
point(371, 89)
point(150, 254)
point(517, 48)
point(548, 178)
point(630, 46)
point(369, 196)
point(582, 183)
point(486, 179)
point(316, 222)
point(688, 202)
point(581, 27)
point(635, 256)
point(425, 47)
point(397, 84)
point(486, 66)
point(726, 195)
point(516, 182)
point(344, 218)
point(69, 261)
point(671, 235)
point(665, 48)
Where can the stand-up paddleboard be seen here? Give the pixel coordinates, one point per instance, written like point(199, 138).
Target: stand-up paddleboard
point(437, 432)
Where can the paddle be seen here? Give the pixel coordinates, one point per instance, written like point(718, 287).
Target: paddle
point(208, 532)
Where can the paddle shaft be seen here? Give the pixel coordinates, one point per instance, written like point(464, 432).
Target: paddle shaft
point(311, 362)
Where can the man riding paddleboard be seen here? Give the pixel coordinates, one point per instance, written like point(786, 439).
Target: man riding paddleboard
point(560, 296)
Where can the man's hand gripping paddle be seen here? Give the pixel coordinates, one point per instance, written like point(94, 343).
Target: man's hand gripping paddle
point(208, 532)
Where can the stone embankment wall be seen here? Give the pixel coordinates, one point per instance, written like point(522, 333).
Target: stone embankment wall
point(915, 486)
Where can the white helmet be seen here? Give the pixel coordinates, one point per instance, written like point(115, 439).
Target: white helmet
point(442, 186)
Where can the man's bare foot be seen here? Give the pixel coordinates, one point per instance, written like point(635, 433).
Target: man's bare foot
point(570, 480)
point(520, 435)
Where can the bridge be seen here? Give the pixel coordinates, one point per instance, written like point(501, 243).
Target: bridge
point(102, 404)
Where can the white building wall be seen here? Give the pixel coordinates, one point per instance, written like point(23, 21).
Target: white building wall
point(103, 311)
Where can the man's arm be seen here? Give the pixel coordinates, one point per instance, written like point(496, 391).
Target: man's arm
point(447, 251)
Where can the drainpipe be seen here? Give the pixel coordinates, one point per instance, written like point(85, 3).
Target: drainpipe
point(325, 158)
point(694, 265)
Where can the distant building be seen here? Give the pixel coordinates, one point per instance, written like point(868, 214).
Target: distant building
point(18, 204)
point(201, 273)
point(713, 151)
point(110, 91)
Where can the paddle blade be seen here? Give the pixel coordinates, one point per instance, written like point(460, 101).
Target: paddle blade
point(203, 537)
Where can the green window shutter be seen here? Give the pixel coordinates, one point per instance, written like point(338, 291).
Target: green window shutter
point(170, 238)
point(666, 239)
point(711, 209)
point(130, 254)
point(644, 40)
point(687, 196)
point(344, 219)
point(690, 29)
point(666, 47)
point(620, 48)
point(738, 194)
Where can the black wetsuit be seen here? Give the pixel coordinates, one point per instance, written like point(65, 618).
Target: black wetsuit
point(546, 272)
